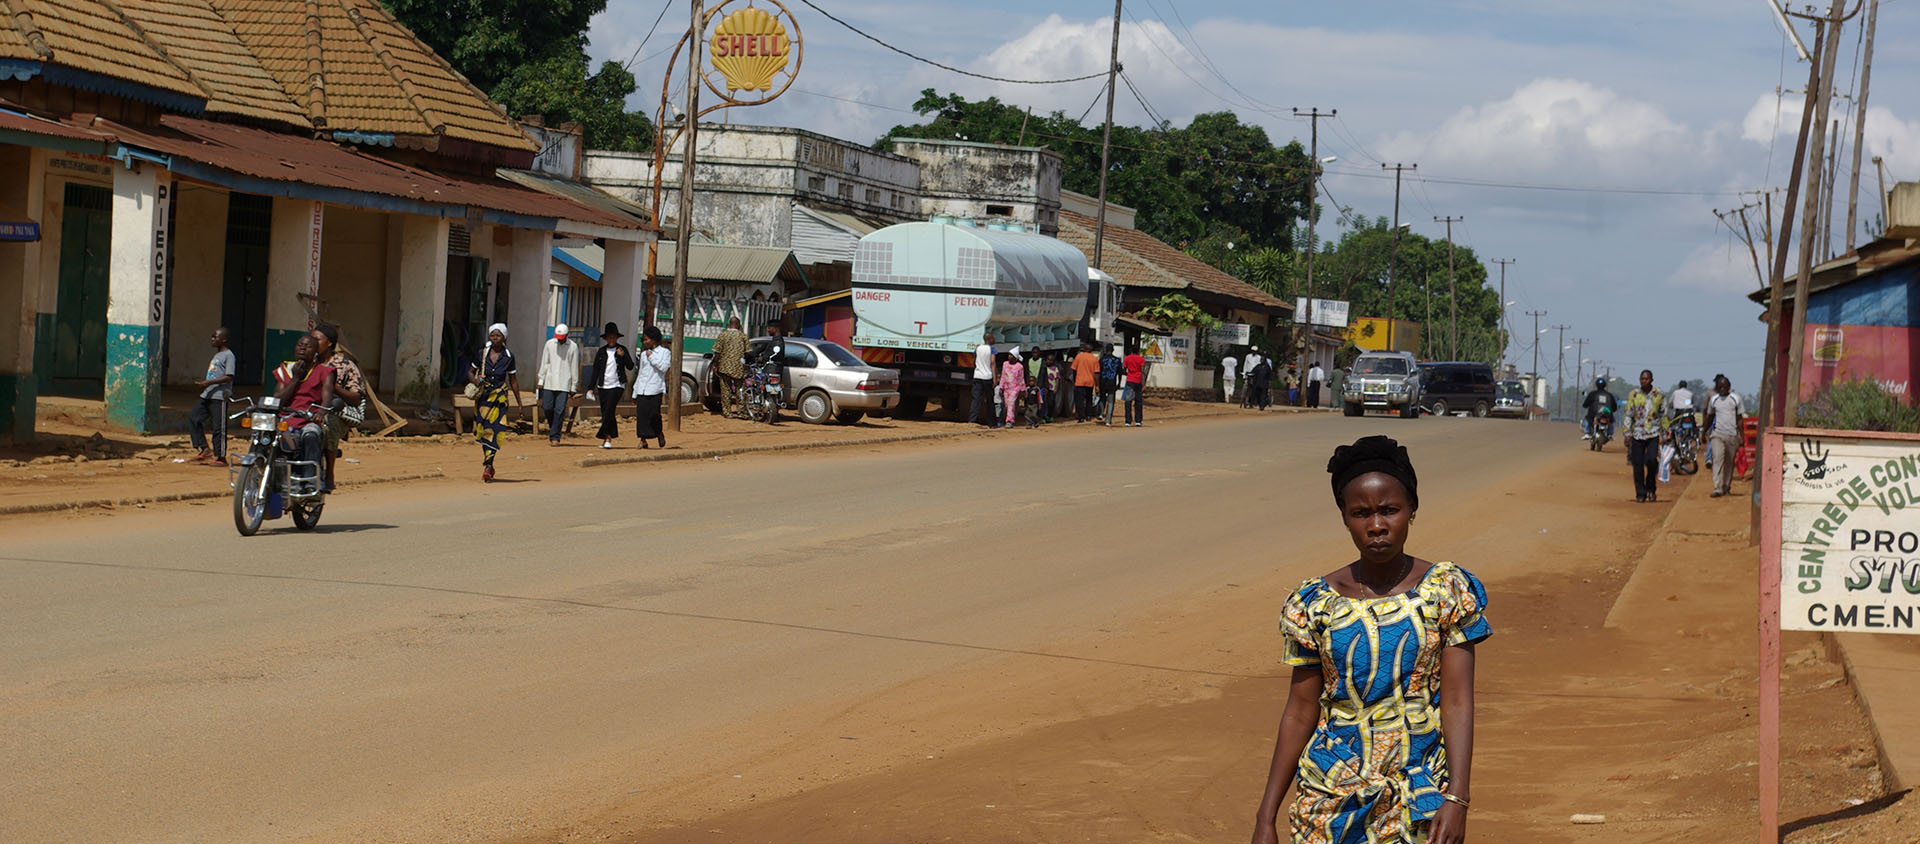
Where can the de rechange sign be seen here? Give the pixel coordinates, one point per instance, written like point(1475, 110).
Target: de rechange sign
point(1849, 511)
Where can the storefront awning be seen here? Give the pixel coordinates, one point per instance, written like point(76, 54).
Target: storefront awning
point(576, 192)
point(1138, 324)
point(816, 301)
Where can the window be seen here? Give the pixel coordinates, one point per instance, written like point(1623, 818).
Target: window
point(846, 191)
point(839, 354)
point(873, 196)
point(817, 183)
point(1364, 365)
point(801, 357)
point(899, 201)
point(999, 210)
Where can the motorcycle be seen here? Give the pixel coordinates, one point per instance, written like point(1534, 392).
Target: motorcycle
point(271, 480)
point(1602, 430)
point(761, 391)
point(1686, 445)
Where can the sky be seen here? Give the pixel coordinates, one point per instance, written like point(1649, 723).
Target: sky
point(1631, 120)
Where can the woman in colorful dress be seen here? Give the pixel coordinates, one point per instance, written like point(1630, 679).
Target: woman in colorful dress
point(494, 376)
point(1378, 728)
point(1013, 381)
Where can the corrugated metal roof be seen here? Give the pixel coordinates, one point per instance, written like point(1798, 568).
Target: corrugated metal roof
point(575, 191)
point(1138, 259)
point(706, 262)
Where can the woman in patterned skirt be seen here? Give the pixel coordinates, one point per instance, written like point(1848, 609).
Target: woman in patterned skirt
point(494, 376)
point(1378, 729)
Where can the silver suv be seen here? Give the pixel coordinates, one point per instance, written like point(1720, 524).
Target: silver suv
point(1383, 381)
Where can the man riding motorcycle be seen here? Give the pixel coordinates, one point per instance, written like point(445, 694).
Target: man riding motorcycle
point(1597, 400)
point(309, 387)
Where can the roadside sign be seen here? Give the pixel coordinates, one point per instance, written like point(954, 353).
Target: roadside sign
point(1849, 533)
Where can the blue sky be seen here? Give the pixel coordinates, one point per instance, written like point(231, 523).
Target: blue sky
point(1665, 95)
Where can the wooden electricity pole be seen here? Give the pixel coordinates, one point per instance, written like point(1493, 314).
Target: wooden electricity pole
point(683, 238)
point(1313, 115)
point(1822, 97)
point(1393, 256)
point(1106, 141)
point(1453, 301)
point(1505, 335)
point(1860, 123)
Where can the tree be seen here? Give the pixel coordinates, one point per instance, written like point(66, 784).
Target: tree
point(531, 57)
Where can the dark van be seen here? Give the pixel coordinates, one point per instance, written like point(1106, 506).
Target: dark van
point(1457, 385)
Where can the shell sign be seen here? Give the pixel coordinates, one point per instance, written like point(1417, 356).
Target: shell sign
point(749, 48)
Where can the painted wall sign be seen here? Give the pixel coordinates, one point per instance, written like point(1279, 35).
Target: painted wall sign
point(1231, 334)
point(315, 227)
point(559, 151)
point(19, 230)
point(1849, 533)
point(157, 305)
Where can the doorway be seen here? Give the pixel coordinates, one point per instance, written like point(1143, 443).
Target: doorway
point(76, 363)
point(243, 292)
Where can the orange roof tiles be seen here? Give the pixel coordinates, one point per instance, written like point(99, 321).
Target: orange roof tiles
point(336, 65)
point(1136, 259)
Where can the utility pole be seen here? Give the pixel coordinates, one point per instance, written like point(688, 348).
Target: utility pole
point(1797, 339)
point(1453, 302)
point(1535, 389)
point(1748, 230)
point(1860, 123)
point(1505, 335)
point(1778, 280)
point(1106, 140)
point(1827, 185)
point(1579, 358)
point(684, 237)
point(1560, 371)
point(1313, 181)
point(1393, 256)
point(1886, 211)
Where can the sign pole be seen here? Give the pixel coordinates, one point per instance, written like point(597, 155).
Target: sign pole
point(1773, 445)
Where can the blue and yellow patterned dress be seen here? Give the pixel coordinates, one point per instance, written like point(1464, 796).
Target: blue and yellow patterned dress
point(1375, 767)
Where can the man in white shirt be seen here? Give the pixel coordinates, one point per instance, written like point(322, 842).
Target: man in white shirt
point(1315, 375)
point(559, 377)
point(1228, 367)
point(1723, 432)
point(983, 377)
point(1246, 368)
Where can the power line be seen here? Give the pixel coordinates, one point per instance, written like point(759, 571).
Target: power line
point(643, 41)
point(1142, 100)
point(924, 60)
point(853, 101)
point(1487, 183)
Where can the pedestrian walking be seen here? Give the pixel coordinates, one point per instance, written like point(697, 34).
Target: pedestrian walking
point(1135, 366)
point(610, 367)
point(1646, 420)
point(1293, 385)
point(1247, 364)
point(730, 365)
point(650, 386)
point(1377, 736)
point(1724, 415)
point(558, 379)
point(349, 384)
point(211, 441)
point(1112, 370)
point(1260, 384)
point(979, 413)
point(1013, 381)
point(1086, 376)
point(1229, 366)
point(493, 380)
point(1315, 376)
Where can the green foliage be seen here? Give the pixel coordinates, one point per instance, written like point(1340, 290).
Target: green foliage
point(1354, 268)
point(1861, 405)
point(1175, 310)
point(531, 57)
point(1216, 178)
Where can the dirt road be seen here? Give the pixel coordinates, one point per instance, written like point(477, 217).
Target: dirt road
point(952, 641)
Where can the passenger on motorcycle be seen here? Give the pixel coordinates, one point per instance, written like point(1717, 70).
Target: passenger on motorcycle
point(348, 384)
point(1600, 398)
point(309, 387)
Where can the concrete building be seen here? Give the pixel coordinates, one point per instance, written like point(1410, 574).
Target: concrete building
point(170, 166)
point(964, 179)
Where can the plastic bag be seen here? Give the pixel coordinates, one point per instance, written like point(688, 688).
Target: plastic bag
point(1666, 462)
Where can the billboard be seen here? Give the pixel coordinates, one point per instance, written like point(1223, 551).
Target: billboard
point(1331, 313)
point(1848, 540)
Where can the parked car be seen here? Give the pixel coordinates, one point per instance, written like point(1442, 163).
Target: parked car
point(824, 381)
point(1382, 381)
point(1510, 400)
point(1448, 386)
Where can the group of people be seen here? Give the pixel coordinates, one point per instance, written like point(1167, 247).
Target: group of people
point(1011, 387)
point(1258, 370)
point(322, 380)
point(1646, 422)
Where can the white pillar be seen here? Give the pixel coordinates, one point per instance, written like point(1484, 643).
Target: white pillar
point(293, 269)
point(423, 304)
point(623, 286)
point(137, 295)
point(22, 186)
point(530, 298)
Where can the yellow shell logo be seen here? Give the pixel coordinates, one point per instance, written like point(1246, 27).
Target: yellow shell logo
point(749, 47)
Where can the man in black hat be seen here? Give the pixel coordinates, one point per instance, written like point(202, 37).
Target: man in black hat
point(610, 367)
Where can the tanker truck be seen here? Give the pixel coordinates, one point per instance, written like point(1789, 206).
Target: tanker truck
point(924, 294)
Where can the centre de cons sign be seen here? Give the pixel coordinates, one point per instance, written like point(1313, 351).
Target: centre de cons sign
point(1849, 513)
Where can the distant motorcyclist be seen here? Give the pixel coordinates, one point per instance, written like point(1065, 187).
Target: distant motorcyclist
point(309, 387)
point(1598, 400)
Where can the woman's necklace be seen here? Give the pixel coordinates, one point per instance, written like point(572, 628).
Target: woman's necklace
point(1406, 568)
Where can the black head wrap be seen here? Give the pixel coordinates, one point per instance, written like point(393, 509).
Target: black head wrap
point(1373, 454)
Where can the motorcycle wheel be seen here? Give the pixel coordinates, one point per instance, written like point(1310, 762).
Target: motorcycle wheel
point(249, 508)
point(1687, 467)
point(307, 517)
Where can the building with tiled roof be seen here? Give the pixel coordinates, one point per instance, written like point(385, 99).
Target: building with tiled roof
point(1148, 268)
point(168, 166)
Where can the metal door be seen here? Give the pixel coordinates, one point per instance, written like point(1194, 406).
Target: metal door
point(77, 363)
point(243, 296)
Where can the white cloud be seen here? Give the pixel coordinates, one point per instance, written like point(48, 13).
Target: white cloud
point(1562, 130)
point(1723, 267)
point(1772, 116)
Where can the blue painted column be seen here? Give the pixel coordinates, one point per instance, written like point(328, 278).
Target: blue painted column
point(137, 295)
